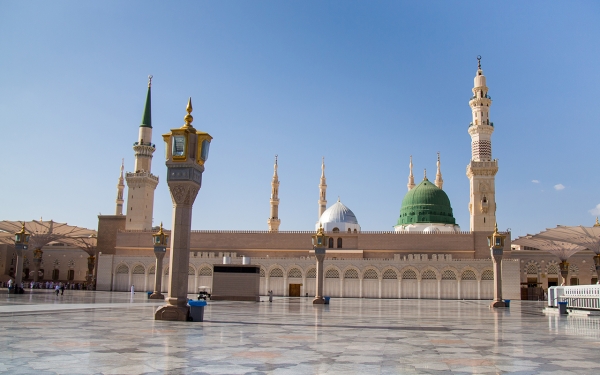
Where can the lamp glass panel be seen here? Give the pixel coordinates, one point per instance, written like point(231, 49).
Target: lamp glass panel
point(17, 238)
point(205, 148)
point(178, 145)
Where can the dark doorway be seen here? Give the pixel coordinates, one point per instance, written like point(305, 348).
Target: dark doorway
point(294, 290)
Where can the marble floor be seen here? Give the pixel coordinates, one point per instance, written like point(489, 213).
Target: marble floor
point(111, 333)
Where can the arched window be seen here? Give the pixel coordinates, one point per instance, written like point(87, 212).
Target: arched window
point(330, 243)
point(487, 275)
point(468, 275)
point(152, 270)
point(336, 230)
point(205, 271)
point(532, 269)
point(429, 275)
point(349, 230)
point(312, 273)
point(139, 270)
point(262, 272)
point(448, 275)
point(339, 243)
point(123, 269)
point(191, 271)
point(552, 269)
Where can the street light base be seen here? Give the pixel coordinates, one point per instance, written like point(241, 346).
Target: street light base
point(172, 313)
point(156, 296)
point(498, 304)
point(319, 301)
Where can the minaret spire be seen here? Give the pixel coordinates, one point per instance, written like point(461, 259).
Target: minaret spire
point(411, 178)
point(438, 176)
point(120, 188)
point(142, 183)
point(424, 173)
point(482, 169)
point(274, 221)
point(322, 190)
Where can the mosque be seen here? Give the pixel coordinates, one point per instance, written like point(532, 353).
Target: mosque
point(427, 255)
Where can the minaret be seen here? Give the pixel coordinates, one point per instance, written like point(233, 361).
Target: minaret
point(482, 169)
point(120, 188)
point(411, 178)
point(274, 218)
point(322, 191)
point(438, 176)
point(142, 183)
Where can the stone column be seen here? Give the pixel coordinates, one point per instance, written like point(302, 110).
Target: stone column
point(91, 262)
point(183, 194)
point(564, 272)
point(158, 276)
point(37, 263)
point(320, 255)
point(497, 253)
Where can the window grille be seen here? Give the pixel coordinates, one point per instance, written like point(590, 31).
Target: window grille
point(429, 275)
point(122, 269)
point(312, 273)
point(191, 271)
point(370, 275)
point(294, 272)
point(468, 275)
point(448, 275)
point(532, 269)
point(552, 269)
point(409, 275)
point(276, 272)
point(390, 275)
point(332, 274)
point(351, 274)
point(487, 275)
point(152, 270)
point(262, 272)
point(139, 270)
point(207, 271)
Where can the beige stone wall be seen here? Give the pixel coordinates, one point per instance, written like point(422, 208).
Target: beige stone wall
point(235, 286)
point(108, 227)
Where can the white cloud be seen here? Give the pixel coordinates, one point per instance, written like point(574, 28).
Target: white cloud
point(595, 211)
point(535, 181)
point(559, 187)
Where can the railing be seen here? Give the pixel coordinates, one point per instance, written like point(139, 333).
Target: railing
point(586, 297)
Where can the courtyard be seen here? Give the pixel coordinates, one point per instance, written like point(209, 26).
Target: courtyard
point(112, 333)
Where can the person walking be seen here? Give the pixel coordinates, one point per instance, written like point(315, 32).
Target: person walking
point(62, 289)
point(270, 296)
point(132, 290)
point(57, 289)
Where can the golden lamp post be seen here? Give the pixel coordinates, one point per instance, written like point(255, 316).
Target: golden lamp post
point(496, 244)
point(319, 241)
point(186, 152)
point(160, 240)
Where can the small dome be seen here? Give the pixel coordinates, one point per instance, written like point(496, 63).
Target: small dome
point(426, 203)
point(338, 213)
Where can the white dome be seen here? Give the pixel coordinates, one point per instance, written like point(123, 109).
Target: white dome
point(338, 217)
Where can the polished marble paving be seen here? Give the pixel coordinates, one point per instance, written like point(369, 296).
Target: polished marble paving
point(112, 333)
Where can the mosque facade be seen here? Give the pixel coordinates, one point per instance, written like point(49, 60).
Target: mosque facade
point(427, 255)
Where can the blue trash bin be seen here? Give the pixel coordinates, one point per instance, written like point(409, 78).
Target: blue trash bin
point(327, 300)
point(197, 310)
point(562, 307)
point(149, 294)
point(507, 302)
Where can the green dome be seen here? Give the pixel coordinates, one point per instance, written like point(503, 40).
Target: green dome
point(426, 203)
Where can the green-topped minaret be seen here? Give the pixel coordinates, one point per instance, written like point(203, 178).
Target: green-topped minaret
point(142, 183)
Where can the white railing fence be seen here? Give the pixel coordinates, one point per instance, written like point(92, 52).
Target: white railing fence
point(578, 297)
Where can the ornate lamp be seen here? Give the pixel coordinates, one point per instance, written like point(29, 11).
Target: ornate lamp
point(21, 243)
point(22, 239)
point(186, 152)
point(319, 241)
point(160, 240)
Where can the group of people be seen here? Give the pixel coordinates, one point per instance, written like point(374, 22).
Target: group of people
point(55, 285)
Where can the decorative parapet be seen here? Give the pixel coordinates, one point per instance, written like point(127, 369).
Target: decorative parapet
point(130, 175)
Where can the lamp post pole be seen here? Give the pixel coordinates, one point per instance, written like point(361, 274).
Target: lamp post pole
point(187, 151)
point(37, 262)
point(160, 248)
point(21, 244)
point(496, 243)
point(319, 240)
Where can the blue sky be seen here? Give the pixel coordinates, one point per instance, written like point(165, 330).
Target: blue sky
point(364, 84)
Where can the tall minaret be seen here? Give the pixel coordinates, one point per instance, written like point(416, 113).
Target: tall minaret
point(322, 191)
point(438, 176)
point(120, 188)
point(274, 218)
point(411, 178)
point(482, 169)
point(142, 183)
